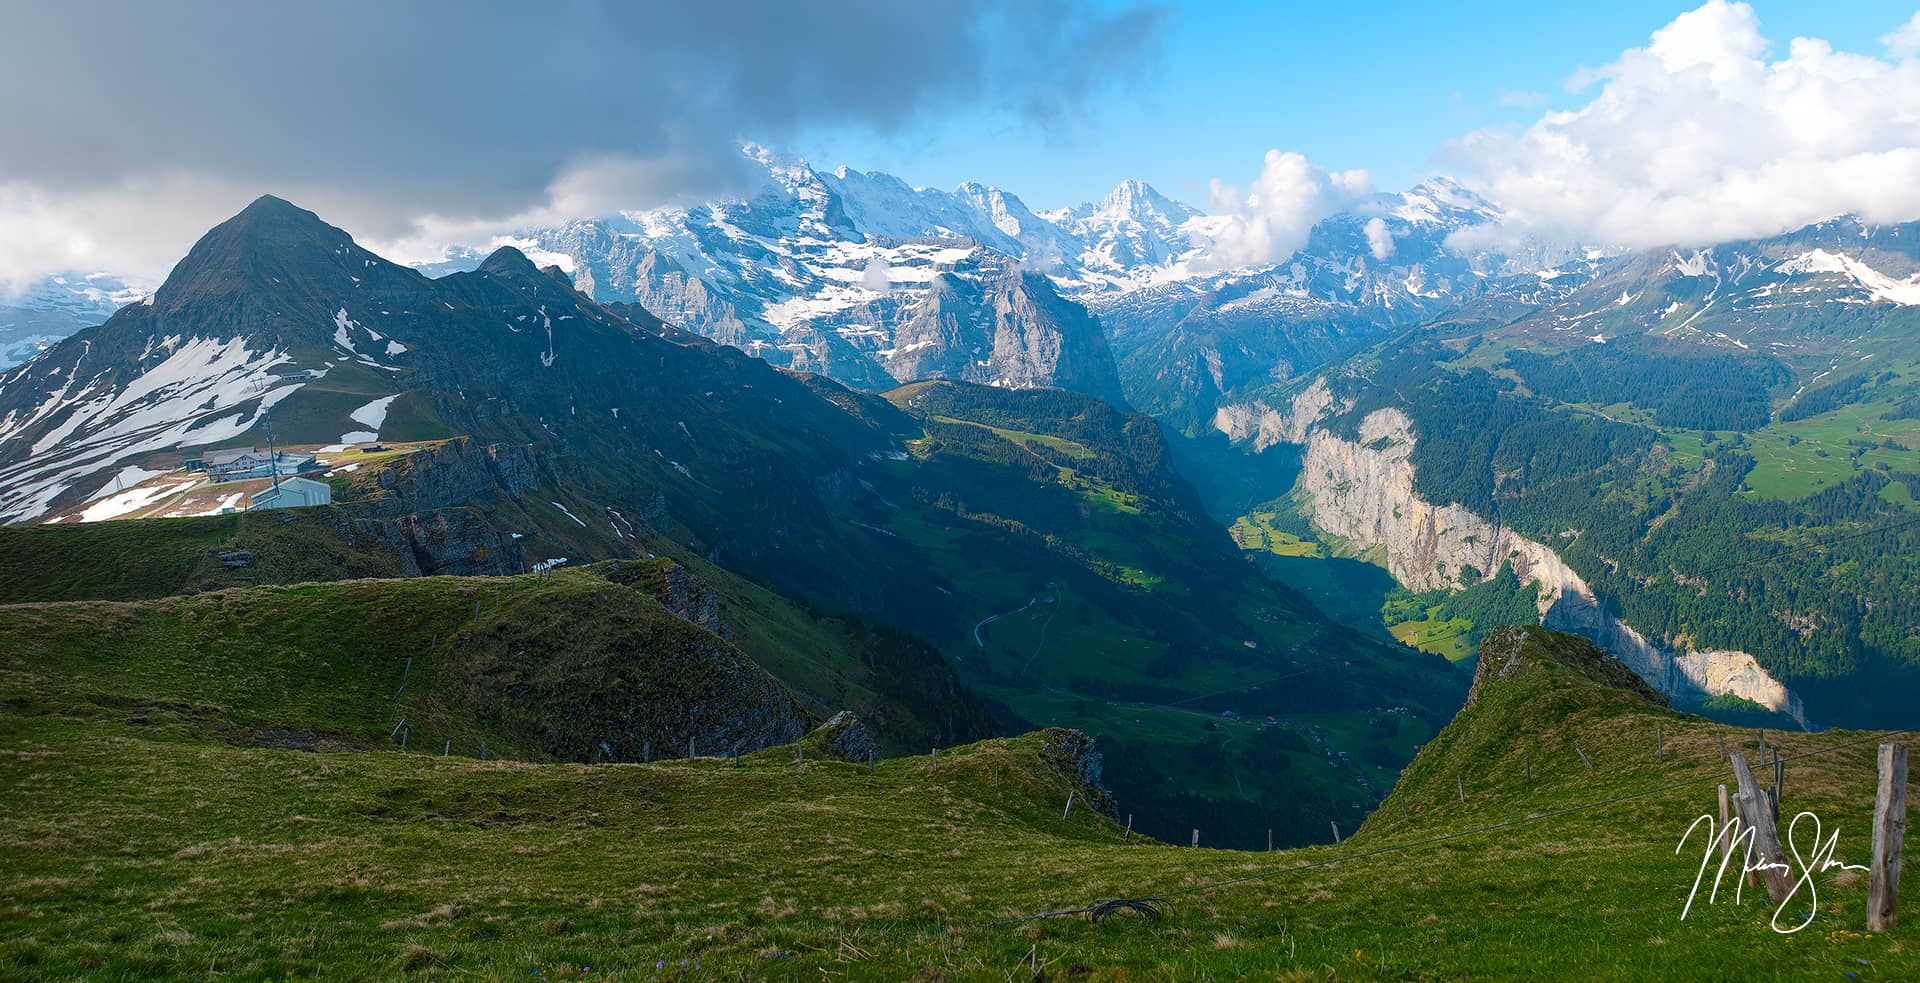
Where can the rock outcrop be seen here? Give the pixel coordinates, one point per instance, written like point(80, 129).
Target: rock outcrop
point(1362, 493)
point(1266, 426)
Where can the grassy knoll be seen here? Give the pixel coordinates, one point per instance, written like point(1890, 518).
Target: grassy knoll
point(147, 558)
point(539, 670)
point(137, 847)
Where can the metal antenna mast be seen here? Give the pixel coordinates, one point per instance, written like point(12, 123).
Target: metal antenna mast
point(273, 459)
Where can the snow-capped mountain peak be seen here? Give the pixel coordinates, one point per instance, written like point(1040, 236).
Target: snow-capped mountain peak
point(1441, 200)
point(1137, 200)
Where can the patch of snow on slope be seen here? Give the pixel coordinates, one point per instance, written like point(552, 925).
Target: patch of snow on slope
point(375, 413)
point(128, 477)
point(1906, 292)
point(570, 514)
point(341, 322)
point(131, 500)
point(205, 392)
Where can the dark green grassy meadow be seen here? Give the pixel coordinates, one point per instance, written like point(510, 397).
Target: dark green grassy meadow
point(136, 843)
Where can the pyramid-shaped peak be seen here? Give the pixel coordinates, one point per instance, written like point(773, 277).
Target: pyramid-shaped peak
point(272, 237)
point(507, 261)
point(273, 208)
point(275, 219)
point(1134, 198)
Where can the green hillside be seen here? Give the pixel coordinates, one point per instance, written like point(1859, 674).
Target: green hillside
point(138, 842)
point(575, 668)
point(1095, 593)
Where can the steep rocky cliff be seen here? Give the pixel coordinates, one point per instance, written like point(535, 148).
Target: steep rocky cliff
point(1362, 494)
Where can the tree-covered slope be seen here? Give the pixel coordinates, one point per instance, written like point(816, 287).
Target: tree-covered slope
point(1715, 499)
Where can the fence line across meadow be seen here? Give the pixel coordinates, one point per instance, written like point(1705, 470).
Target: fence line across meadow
point(1883, 891)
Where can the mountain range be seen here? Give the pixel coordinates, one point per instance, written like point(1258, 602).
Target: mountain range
point(56, 307)
point(1753, 372)
point(959, 546)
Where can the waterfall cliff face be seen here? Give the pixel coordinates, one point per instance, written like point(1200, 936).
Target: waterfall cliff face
point(1362, 493)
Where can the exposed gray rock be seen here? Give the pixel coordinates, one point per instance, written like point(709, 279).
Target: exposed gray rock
point(1072, 755)
point(1362, 493)
point(843, 736)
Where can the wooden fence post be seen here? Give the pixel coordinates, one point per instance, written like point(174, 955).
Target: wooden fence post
point(1336, 831)
point(1196, 839)
point(1269, 839)
point(1743, 807)
point(1766, 840)
point(1529, 767)
point(447, 750)
point(1128, 837)
point(1889, 829)
point(1461, 787)
point(1404, 814)
point(936, 759)
point(1659, 744)
point(1726, 835)
point(1721, 739)
point(1583, 757)
point(1069, 811)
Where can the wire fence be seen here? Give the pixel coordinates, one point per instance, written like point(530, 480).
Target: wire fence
point(1151, 902)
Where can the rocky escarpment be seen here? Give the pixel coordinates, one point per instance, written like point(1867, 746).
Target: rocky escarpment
point(430, 507)
point(1362, 492)
point(677, 589)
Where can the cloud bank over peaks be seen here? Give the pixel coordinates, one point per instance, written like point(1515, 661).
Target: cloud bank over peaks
point(1271, 221)
point(512, 115)
point(1704, 136)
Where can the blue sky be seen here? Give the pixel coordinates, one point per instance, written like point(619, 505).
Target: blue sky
point(1379, 86)
point(1721, 130)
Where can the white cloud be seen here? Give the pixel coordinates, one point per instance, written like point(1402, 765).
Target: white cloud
point(136, 228)
point(1271, 221)
point(1701, 137)
point(1904, 42)
point(513, 111)
point(1379, 239)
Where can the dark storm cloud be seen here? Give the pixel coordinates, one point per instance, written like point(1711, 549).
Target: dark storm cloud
point(475, 110)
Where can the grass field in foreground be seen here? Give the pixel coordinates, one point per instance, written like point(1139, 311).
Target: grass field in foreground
point(136, 845)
